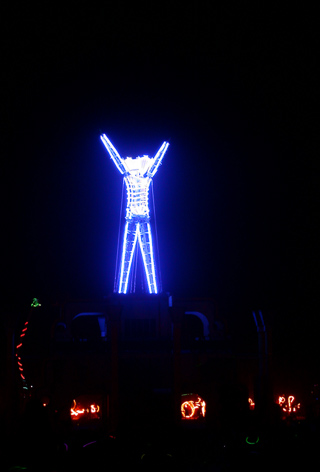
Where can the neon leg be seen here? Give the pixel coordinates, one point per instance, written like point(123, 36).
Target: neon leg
point(129, 243)
point(145, 242)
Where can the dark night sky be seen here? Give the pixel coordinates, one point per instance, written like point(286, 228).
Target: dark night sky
point(235, 91)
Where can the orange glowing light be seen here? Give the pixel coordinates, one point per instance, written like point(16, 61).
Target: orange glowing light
point(251, 404)
point(80, 411)
point(187, 409)
point(288, 404)
point(194, 408)
point(75, 412)
point(94, 408)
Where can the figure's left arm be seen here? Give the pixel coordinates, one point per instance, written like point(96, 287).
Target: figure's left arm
point(113, 153)
point(158, 158)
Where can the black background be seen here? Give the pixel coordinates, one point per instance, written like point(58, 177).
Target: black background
point(233, 87)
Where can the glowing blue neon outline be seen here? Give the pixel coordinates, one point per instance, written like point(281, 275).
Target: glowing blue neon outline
point(124, 251)
point(152, 259)
point(131, 202)
point(123, 256)
point(113, 153)
point(124, 280)
point(155, 289)
point(130, 262)
point(158, 159)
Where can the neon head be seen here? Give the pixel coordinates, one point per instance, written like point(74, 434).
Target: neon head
point(139, 166)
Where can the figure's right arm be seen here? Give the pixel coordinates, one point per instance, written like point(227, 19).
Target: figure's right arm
point(158, 158)
point(113, 153)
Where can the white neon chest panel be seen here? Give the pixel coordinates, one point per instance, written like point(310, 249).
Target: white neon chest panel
point(137, 196)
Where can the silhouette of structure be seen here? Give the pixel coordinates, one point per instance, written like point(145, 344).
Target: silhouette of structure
point(138, 174)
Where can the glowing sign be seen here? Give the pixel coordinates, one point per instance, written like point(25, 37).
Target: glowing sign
point(138, 174)
point(193, 408)
point(78, 411)
point(290, 401)
point(288, 405)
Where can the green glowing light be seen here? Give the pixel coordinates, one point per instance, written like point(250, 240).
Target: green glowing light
point(17, 467)
point(252, 442)
point(35, 303)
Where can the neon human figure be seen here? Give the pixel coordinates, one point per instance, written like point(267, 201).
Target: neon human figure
point(138, 174)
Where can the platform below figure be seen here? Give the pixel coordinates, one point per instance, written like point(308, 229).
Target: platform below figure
point(147, 361)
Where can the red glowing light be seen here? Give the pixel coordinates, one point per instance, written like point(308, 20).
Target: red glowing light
point(20, 366)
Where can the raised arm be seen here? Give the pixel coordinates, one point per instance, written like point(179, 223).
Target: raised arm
point(113, 153)
point(158, 158)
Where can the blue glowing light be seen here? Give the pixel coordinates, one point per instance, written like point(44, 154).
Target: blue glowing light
point(138, 174)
